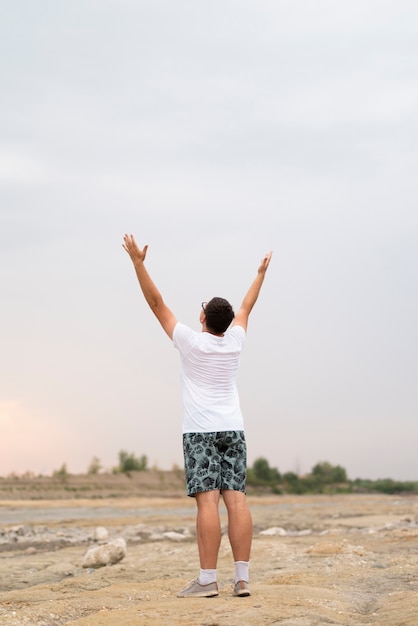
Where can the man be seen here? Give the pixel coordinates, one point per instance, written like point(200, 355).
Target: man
point(213, 430)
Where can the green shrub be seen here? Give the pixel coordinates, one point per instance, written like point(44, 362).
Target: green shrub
point(62, 473)
point(130, 463)
point(95, 466)
point(262, 474)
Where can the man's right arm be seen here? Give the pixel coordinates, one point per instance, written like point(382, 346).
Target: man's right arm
point(241, 317)
point(151, 294)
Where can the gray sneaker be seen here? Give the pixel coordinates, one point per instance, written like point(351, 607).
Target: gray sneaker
point(195, 590)
point(241, 589)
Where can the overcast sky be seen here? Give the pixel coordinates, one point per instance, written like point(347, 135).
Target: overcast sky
point(214, 132)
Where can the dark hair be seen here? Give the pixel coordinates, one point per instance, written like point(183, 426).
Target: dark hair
point(219, 315)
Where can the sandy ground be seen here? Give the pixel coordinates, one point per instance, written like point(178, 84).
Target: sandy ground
point(345, 560)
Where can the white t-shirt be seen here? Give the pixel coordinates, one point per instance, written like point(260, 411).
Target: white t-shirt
point(208, 370)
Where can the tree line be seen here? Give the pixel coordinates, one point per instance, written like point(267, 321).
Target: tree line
point(261, 477)
point(323, 478)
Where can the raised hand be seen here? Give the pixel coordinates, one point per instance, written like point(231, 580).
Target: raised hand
point(131, 247)
point(265, 263)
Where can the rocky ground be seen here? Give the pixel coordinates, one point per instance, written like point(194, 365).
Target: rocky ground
point(317, 560)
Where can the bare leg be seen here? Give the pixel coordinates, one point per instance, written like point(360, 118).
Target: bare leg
point(208, 528)
point(240, 525)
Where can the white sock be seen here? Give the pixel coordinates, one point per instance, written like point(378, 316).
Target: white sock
point(242, 571)
point(207, 576)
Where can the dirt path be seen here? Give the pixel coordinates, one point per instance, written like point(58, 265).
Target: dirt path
point(346, 560)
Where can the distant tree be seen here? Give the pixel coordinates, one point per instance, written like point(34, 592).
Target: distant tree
point(325, 473)
point(387, 485)
point(128, 462)
point(290, 477)
point(28, 475)
point(95, 466)
point(384, 485)
point(261, 472)
point(62, 473)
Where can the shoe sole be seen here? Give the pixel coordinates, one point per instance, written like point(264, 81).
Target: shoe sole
point(242, 594)
point(209, 594)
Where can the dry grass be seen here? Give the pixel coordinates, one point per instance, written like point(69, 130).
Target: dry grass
point(92, 486)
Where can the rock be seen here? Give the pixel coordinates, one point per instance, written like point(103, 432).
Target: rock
point(18, 530)
point(106, 554)
point(275, 530)
point(173, 536)
point(303, 533)
point(101, 534)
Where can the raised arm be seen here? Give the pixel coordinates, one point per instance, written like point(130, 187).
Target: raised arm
point(154, 298)
point(241, 317)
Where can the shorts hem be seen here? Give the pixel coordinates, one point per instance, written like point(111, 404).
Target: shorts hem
point(193, 495)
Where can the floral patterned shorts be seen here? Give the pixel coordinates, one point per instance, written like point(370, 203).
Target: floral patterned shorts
point(215, 461)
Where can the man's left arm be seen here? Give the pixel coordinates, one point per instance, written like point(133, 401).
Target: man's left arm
point(251, 297)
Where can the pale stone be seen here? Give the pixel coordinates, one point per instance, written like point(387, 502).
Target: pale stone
point(101, 534)
point(173, 536)
point(273, 531)
point(106, 554)
point(156, 537)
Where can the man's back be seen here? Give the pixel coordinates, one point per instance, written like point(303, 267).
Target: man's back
point(209, 365)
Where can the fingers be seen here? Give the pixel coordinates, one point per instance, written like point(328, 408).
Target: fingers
point(265, 262)
point(128, 239)
point(129, 242)
point(267, 258)
point(131, 247)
